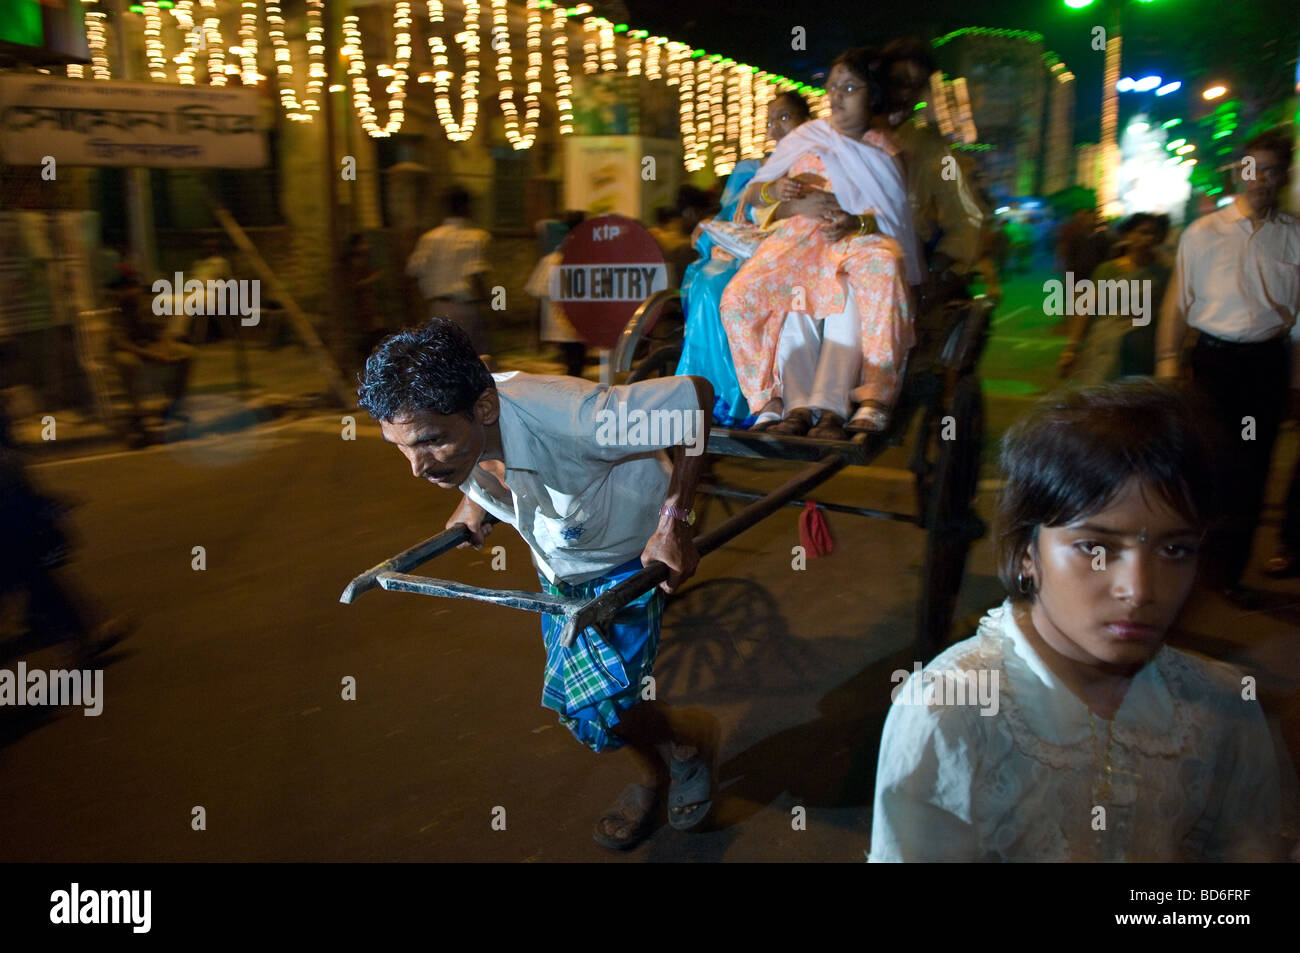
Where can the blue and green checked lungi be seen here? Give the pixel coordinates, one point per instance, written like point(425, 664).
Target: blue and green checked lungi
point(594, 679)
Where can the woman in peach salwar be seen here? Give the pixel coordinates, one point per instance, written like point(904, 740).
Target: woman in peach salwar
point(820, 317)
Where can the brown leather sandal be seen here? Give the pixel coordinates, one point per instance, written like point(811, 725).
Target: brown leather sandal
point(830, 427)
point(796, 423)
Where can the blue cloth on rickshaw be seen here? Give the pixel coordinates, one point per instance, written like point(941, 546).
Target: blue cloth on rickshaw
point(705, 349)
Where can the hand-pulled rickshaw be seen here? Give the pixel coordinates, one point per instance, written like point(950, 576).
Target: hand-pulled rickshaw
point(944, 392)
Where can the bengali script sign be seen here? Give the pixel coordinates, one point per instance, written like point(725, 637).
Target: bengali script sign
point(110, 122)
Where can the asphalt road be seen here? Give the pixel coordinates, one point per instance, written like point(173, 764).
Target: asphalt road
point(229, 695)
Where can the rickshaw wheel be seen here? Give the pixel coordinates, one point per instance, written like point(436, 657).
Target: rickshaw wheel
point(659, 363)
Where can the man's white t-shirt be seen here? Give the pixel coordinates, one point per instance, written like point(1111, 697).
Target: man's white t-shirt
point(586, 482)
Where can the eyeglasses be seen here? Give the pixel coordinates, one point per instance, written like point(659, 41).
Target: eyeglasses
point(848, 89)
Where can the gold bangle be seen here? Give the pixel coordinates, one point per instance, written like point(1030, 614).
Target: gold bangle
point(762, 194)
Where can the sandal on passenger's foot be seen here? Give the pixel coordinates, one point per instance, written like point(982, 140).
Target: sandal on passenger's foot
point(796, 423)
point(830, 427)
point(690, 796)
point(768, 417)
point(633, 813)
point(870, 418)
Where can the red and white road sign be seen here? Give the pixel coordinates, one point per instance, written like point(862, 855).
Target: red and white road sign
point(608, 266)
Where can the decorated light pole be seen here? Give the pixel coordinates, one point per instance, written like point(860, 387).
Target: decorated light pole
point(1108, 204)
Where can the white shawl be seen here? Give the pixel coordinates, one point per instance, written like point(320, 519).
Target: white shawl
point(865, 179)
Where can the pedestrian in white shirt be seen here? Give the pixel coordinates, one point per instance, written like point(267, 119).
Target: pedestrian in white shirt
point(451, 264)
point(1237, 282)
point(564, 461)
point(1065, 729)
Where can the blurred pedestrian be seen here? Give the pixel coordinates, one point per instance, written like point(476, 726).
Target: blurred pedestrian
point(211, 266)
point(1236, 281)
point(1081, 244)
point(34, 559)
point(1103, 347)
point(146, 355)
point(451, 264)
point(555, 325)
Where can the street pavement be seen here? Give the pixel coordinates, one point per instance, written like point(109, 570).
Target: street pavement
point(229, 696)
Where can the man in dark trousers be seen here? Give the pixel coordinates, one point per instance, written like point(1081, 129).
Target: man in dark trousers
point(1237, 282)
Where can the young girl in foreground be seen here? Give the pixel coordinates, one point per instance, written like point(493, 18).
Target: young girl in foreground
point(1104, 743)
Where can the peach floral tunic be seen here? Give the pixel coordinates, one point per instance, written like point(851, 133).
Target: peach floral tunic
point(797, 269)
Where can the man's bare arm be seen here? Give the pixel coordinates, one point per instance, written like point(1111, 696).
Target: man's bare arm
point(472, 517)
point(1172, 329)
point(674, 541)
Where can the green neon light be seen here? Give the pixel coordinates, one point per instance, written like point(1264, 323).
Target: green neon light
point(1221, 134)
point(1028, 35)
point(620, 27)
point(697, 54)
point(920, 106)
point(1170, 124)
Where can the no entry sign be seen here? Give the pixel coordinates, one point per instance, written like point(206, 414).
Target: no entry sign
point(608, 266)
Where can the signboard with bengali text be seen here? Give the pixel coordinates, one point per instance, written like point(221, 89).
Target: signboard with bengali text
point(111, 122)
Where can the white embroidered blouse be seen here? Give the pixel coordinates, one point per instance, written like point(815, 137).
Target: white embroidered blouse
point(1192, 773)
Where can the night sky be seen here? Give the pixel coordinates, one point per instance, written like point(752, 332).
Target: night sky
point(1250, 44)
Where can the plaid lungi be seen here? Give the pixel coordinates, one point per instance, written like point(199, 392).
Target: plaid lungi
point(595, 678)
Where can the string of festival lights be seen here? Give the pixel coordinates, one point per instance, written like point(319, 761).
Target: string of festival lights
point(533, 79)
point(722, 104)
point(396, 74)
point(467, 39)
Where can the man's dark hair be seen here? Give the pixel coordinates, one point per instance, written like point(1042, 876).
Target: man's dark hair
point(1274, 141)
point(430, 368)
point(864, 62)
point(909, 49)
point(456, 201)
point(1070, 457)
point(1159, 222)
point(796, 103)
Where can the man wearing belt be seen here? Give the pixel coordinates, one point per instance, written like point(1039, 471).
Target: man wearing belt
point(1237, 282)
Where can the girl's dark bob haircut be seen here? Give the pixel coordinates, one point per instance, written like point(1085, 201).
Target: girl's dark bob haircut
point(1074, 452)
